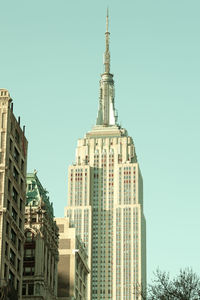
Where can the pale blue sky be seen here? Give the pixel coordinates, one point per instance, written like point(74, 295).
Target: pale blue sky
point(51, 59)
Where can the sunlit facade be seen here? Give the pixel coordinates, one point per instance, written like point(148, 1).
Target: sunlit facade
point(13, 161)
point(105, 201)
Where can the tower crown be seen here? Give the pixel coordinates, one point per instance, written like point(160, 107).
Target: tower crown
point(107, 115)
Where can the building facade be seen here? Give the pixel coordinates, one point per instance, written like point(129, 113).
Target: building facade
point(41, 244)
point(105, 201)
point(73, 264)
point(13, 161)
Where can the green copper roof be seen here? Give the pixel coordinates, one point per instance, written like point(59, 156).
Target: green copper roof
point(36, 195)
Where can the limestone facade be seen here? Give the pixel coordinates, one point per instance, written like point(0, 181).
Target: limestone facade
point(41, 244)
point(72, 267)
point(13, 161)
point(105, 201)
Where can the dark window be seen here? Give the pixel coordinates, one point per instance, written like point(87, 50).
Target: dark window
point(29, 236)
point(10, 164)
point(17, 286)
point(22, 184)
point(24, 289)
point(29, 254)
point(6, 249)
point(29, 271)
point(9, 185)
point(8, 205)
point(22, 165)
point(30, 289)
point(14, 214)
point(5, 271)
point(11, 145)
point(15, 195)
point(7, 228)
point(11, 278)
point(15, 174)
point(20, 204)
point(33, 220)
point(18, 265)
point(20, 223)
point(16, 155)
point(13, 237)
point(19, 245)
point(12, 257)
point(16, 136)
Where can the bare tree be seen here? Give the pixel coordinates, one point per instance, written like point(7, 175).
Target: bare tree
point(185, 286)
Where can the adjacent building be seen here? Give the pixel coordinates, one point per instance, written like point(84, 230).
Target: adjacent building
point(13, 161)
point(73, 264)
point(105, 201)
point(41, 244)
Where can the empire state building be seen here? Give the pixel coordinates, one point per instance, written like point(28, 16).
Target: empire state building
point(105, 201)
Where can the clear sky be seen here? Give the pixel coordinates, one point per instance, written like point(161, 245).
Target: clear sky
point(51, 59)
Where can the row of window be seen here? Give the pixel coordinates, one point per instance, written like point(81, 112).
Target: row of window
point(11, 234)
point(15, 153)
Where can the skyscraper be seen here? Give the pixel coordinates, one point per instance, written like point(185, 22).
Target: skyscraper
point(105, 201)
point(13, 160)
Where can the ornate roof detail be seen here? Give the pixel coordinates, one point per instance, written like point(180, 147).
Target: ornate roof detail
point(36, 195)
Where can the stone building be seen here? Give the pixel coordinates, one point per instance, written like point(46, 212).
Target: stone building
point(105, 201)
point(13, 161)
point(41, 244)
point(72, 267)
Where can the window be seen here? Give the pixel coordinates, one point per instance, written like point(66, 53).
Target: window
point(11, 145)
point(21, 205)
point(29, 271)
point(18, 265)
point(8, 205)
point(15, 174)
point(24, 289)
point(13, 237)
point(7, 228)
point(16, 155)
point(22, 184)
point(29, 254)
point(22, 165)
point(14, 214)
point(20, 223)
point(16, 136)
point(9, 185)
point(6, 249)
point(12, 257)
point(10, 164)
point(29, 236)
point(19, 245)
point(17, 286)
point(30, 289)
point(11, 278)
point(15, 195)
point(5, 271)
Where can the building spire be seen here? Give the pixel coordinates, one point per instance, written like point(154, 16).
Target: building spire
point(107, 115)
point(107, 52)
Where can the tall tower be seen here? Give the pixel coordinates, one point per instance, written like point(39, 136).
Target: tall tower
point(105, 201)
point(13, 161)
